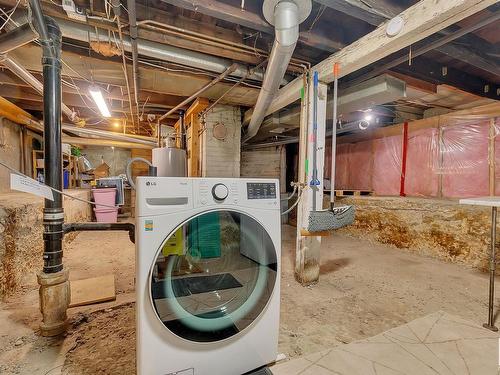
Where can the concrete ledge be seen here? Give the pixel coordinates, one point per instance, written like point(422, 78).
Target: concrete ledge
point(438, 228)
point(21, 228)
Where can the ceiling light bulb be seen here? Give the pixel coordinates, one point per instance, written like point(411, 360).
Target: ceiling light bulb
point(96, 94)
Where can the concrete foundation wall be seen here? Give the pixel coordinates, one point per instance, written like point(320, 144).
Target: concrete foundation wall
point(10, 151)
point(438, 228)
point(21, 228)
point(115, 157)
point(221, 157)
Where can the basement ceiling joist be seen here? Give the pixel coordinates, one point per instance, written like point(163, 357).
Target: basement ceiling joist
point(421, 20)
point(252, 20)
point(377, 12)
point(154, 80)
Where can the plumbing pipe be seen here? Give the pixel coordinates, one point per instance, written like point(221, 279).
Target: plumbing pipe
point(86, 33)
point(84, 227)
point(104, 142)
point(286, 16)
point(42, 29)
point(182, 129)
point(295, 64)
point(117, 11)
point(110, 135)
point(132, 20)
point(53, 211)
point(217, 79)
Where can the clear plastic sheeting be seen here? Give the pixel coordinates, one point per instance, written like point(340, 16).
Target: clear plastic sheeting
point(387, 165)
point(464, 162)
point(421, 179)
point(447, 156)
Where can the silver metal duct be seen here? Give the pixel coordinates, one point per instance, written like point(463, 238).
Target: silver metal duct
point(15, 67)
point(285, 15)
point(86, 33)
point(109, 135)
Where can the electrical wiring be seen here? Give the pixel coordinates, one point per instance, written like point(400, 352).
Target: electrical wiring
point(9, 15)
point(54, 189)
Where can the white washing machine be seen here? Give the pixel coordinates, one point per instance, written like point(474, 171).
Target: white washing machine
point(208, 266)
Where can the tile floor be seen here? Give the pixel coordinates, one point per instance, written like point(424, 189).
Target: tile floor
point(437, 344)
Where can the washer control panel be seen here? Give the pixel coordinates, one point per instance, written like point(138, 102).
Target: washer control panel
point(261, 190)
point(220, 192)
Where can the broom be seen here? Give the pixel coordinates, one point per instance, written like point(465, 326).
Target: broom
point(335, 217)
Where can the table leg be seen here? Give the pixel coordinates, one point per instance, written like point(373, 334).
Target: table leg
point(490, 325)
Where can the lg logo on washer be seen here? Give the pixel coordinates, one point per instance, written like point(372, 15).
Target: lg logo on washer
point(150, 183)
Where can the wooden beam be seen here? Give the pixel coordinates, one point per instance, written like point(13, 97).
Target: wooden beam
point(152, 80)
point(226, 12)
point(248, 18)
point(362, 10)
point(437, 73)
point(376, 12)
point(420, 20)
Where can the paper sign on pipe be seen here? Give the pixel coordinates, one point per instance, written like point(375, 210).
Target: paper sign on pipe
point(28, 185)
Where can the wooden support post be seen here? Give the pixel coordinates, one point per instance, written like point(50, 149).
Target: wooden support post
point(194, 161)
point(192, 125)
point(307, 255)
point(491, 156)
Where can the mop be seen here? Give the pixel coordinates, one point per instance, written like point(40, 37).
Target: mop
point(335, 217)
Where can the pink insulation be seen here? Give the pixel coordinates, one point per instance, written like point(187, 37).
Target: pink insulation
point(342, 167)
point(360, 166)
point(421, 177)
point(465, 160)
point(387, 165)
point(455, 162)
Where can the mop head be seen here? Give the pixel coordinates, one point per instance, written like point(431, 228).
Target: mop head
point(341, 216)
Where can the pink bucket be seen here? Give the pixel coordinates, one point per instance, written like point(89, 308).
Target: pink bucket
point(105, 196)
point(106, 215)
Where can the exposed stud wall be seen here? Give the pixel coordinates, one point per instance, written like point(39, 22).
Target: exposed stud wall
point(221, 158)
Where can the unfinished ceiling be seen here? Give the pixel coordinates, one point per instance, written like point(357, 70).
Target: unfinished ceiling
point(182, 45)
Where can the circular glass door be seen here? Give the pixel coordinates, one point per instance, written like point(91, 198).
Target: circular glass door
point(213, 276)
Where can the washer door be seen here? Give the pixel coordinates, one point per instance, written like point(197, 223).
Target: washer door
point(213, 276)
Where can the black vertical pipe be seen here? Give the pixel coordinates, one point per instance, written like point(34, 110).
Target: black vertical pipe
point(182, 129)
point(53, 214)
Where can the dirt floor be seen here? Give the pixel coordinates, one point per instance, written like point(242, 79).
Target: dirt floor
point(364, 289)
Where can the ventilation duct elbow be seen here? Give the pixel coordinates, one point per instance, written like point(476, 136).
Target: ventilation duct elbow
point(285, 15)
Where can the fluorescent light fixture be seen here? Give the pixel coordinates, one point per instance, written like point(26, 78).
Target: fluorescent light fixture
point(96, 94)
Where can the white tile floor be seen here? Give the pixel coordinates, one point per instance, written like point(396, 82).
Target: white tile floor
point(437, 344)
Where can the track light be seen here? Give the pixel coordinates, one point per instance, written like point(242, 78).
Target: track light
point(96, 94)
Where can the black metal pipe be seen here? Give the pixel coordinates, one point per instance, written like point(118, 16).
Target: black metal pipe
point(42, 28)
point(182, 130)
point(53, 215)
point(81, 227)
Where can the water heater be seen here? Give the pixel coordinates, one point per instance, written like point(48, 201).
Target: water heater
point(170, 162)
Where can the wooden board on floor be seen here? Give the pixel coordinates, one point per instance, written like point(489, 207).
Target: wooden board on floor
point(93, 290)
point(357, 193)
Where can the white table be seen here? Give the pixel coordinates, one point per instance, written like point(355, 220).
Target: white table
point(492, 202)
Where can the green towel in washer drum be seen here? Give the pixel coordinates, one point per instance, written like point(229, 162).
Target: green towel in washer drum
point(204, 236)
